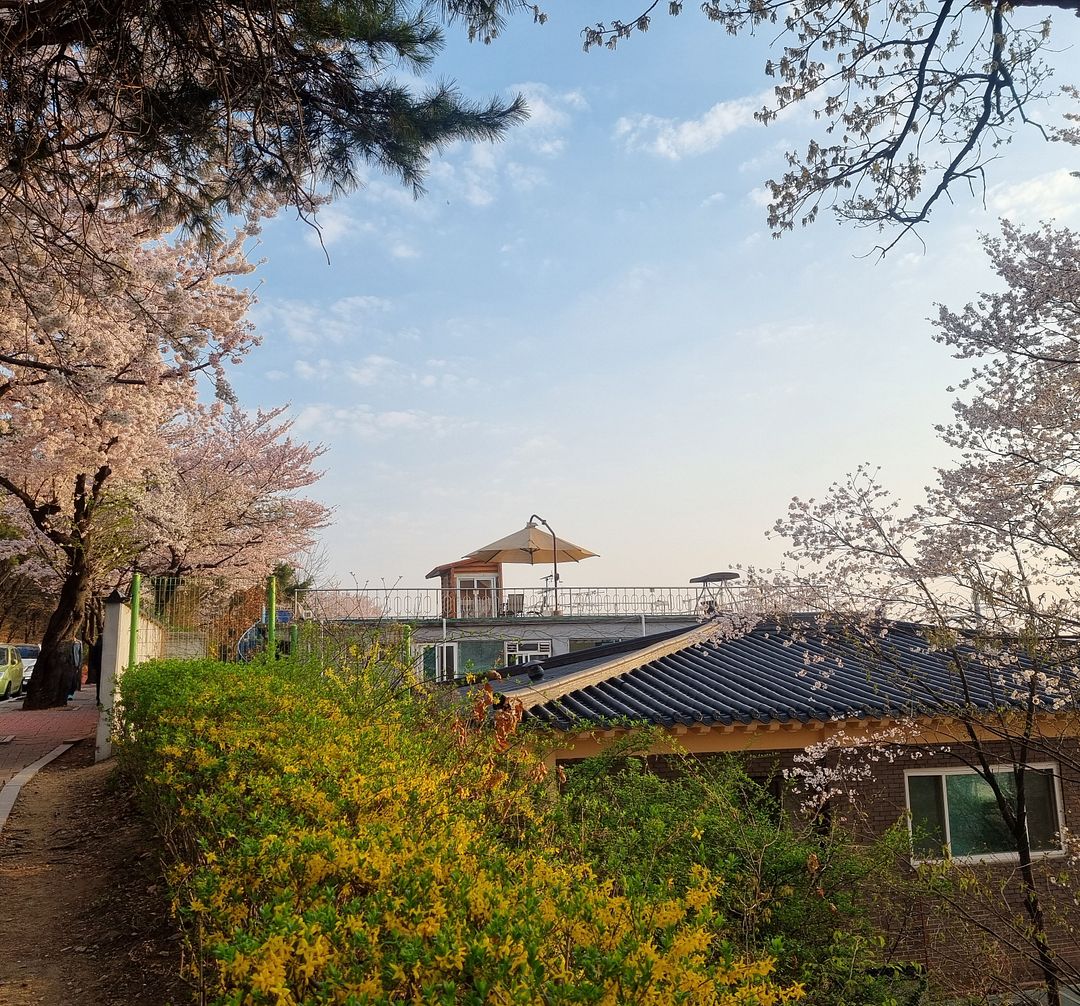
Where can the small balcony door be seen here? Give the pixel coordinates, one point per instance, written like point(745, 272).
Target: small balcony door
point(477, 596)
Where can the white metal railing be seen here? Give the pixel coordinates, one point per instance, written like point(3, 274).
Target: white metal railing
point(408, 604)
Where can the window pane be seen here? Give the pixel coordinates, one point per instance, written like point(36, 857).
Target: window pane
point(927, 815)
point(1042, 818)
point(975, 822)
point(449, 670)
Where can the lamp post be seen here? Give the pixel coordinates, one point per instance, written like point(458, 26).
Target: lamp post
point(534, 519)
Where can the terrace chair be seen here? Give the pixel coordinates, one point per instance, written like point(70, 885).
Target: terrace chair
point(513, 605)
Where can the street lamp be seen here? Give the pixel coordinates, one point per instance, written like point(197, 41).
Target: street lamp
point(533, 520)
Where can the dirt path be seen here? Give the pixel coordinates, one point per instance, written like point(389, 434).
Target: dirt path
point(82, 915)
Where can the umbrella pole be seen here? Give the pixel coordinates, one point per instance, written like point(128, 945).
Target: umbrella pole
point(554, 557)
point(555, 570)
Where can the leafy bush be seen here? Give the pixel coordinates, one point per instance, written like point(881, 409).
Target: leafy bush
point(794, 889)
point(332, 840)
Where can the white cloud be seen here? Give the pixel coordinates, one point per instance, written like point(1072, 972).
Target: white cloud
point(550, 148)
point(759, 196)
point(377, 371)
point(367, 423)
point(397, 197)
point(308, 371)
point(782, 334)
point(714, 200)
point(478, 173)
point(479, 176)
point(675, 139)
point(537, 448)
point(550, 111)
point(372, 369)
point(525, 178)
point(331, 224)
point(767, 158)
point(310, 324)
point(446, 382)
point(911, 260)
point(346, 220)
point(1054, 194)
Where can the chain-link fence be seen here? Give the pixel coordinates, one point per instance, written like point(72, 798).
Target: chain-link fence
point(197, 617)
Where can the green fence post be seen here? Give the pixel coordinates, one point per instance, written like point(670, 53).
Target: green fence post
point(294, 638)
point(271, 616)
point(133, 633)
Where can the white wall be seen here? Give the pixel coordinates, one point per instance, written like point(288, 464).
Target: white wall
point(153, 641)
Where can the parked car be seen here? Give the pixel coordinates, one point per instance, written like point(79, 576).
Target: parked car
point(11, 672)
point(28, 653)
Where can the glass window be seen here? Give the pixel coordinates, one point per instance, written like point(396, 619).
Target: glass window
point(927, 804)
point(1042, 823)
point(522, 653)
point(976, 826)
point(957, 813)
point(577, 645)
point(439, 662)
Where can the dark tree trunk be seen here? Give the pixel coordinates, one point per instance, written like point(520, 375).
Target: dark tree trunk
point(51, 680)
point(1048, 964)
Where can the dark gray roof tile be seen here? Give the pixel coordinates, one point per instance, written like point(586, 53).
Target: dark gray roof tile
point(801, 670)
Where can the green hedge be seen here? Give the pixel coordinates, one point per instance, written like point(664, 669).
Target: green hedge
point(332, 839)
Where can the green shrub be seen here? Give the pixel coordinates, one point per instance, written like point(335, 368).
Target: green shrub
point(332, 839)
point(793, 889)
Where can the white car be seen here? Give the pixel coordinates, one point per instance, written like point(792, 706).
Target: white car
point(29, 653)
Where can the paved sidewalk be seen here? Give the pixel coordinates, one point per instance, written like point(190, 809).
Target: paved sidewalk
point(36, 733)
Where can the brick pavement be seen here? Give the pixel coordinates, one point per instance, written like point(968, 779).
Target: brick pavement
point(36, 733)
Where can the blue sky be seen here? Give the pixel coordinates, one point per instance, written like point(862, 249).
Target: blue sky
point(590, 321)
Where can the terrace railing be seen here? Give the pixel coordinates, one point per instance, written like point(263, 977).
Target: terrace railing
point(419, 604)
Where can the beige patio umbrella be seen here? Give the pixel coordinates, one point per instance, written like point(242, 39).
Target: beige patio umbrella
point(532, 545)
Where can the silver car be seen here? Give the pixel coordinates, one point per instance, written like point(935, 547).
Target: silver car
point(28, 653)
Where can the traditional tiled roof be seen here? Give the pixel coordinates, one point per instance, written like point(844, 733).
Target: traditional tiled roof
point(800, 669)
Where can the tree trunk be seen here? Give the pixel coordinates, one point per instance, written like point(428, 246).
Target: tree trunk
point(1048, 964)
point(51, 680)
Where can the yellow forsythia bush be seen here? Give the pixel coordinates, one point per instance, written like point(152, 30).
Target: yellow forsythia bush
point(332, 839)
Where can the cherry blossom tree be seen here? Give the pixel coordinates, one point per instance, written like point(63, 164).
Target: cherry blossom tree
point(989, 561)
point(226, 498)
point(133, 311)
point(915, 99)
point(25, 601)
point(94, 368)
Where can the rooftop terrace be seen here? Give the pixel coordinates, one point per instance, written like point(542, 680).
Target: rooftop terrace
point(495, 603)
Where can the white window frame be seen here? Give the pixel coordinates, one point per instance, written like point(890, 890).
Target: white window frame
point(983, 857)
point(537, 649)
point(439, 646)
